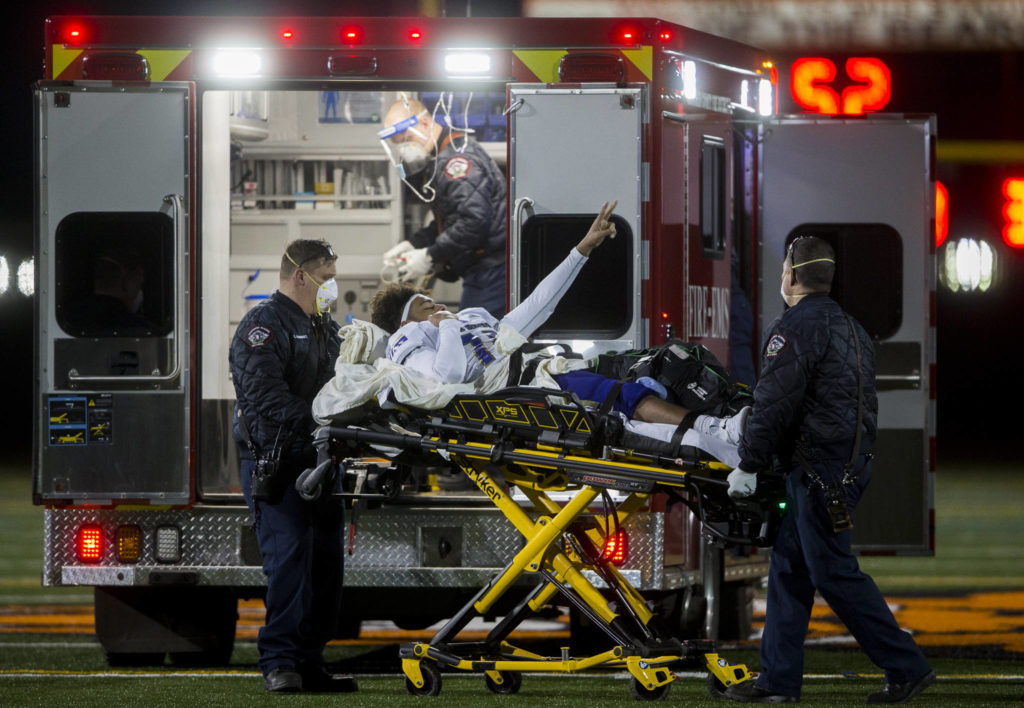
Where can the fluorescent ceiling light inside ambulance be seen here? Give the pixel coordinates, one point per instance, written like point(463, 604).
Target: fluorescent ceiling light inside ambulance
point(467, 63)
point(237, 62)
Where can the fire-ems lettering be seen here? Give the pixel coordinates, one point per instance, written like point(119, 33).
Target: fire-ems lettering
point(707, 312)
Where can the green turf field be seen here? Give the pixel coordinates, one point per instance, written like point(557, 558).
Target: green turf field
point(978, 523)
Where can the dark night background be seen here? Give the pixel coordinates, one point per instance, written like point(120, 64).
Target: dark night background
point(977, 96)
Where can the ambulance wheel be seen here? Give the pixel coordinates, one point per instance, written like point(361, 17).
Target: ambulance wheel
point(125, 659)
point(715, 687)
point(431, 681)
point(642, 693)
point(512, 681)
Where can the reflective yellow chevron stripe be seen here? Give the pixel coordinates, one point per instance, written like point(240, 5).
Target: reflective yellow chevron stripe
point(161, 61)
point(544, 62)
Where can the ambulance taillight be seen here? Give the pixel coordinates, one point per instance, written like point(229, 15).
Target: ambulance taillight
point(89, 543)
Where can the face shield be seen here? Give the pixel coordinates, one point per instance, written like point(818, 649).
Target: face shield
point(409, 156)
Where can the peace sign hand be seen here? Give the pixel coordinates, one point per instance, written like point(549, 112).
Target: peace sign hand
point(601, 228)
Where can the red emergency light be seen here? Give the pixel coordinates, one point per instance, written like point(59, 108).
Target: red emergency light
point(941, 214)
point(287, 34)
point(89, 544)
point(415, 35)
point(665, 36)
point(615, 548)
point(1013, 212)
point(811, 80)
point(352, 35)
point(74, 34)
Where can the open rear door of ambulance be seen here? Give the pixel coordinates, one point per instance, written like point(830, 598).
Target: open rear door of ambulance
point(867, 186)
point(112, 249)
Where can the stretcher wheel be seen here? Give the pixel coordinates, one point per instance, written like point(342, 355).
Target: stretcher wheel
point(512, 681)
point(431, 681)
point(715, 687)
point(642, 693)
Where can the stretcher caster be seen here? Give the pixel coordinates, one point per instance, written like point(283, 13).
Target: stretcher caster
point(715, 687)
point(511, 682)
point(642, 693)
point(431, 681)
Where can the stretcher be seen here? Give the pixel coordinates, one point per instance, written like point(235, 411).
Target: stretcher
point(541, 442)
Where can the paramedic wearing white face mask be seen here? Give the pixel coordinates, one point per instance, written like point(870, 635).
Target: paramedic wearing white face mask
point(283, 352)
point(814, 419)
point(466, 192)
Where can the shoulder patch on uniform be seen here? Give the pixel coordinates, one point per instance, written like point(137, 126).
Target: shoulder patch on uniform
point(457, 167)
point(775, 345)
point(258, 336)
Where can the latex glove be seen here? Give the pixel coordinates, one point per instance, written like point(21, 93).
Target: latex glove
point(415, 264)
point(391, 255)
point(741, 484)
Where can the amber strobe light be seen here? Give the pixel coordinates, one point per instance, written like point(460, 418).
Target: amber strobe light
point(129, 543)
point(89, 544)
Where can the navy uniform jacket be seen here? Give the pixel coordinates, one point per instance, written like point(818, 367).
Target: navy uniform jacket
point(280, 359)
point(468, 230)
point(807, 392)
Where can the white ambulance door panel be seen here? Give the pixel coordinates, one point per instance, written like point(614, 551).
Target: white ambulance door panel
point(112, 414)
point(570, 150)
point(866, 186)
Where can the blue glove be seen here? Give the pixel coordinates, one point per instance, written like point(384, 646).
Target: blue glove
point(741, 484)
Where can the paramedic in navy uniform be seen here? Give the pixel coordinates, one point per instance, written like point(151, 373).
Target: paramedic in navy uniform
point(282, 353)
point(805, 413)
point(466, 192)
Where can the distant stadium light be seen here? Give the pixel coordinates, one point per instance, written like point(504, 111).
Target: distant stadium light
point(27, 277)
point(5, 275)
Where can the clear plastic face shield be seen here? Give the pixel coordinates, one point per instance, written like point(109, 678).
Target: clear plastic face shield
point(404, 143)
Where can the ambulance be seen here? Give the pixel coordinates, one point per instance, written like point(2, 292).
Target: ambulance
point(176, 156)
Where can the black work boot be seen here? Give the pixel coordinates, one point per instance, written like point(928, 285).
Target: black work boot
point(750, 692)
point(283, 679)
point(902, 692)
point(316, 679)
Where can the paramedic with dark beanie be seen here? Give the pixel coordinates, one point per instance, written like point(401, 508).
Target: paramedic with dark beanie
point(815, 414)
point(281, 355)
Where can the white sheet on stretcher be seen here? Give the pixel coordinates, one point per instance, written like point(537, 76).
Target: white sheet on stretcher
point(362, 373)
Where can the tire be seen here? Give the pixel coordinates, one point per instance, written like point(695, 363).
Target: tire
point(642, 693)
point(220, 656)
point(737, 611)
point(431, 681)
point(123, 659)
point(512, 682)
point(715, 687)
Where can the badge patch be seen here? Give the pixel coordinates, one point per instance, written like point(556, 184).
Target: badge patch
point(775, 345)
point(457, 167)
point(258, 336)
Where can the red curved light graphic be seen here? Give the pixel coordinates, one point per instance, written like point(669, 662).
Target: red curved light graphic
point(807, 77)
point(1013, 212)
point(941, 214)
point(875, 89)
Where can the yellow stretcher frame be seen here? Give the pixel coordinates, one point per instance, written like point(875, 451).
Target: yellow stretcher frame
point(535, 471)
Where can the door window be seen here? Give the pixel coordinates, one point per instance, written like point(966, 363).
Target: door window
point(114, 274)
point(869, 272)
point(599, 303)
